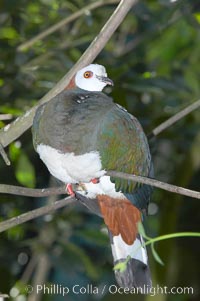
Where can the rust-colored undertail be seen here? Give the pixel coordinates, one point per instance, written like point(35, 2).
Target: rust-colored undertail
point(120, 216)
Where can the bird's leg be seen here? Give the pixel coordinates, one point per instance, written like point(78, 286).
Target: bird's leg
point(70, 190)
point(95, 180)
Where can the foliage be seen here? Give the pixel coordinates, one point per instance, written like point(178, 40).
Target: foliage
point(153, 59)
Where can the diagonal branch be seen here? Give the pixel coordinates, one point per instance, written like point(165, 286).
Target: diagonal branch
point(28, 44)
point(169, 122)
point(4, 155)
point(12, 131)
point(18, 220)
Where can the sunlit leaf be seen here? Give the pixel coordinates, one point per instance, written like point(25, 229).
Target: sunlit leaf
point(1, 82)
point(8, 33)
point(14, 151)
point(141, 230)
point(16, 233)
point(121, 266)
point(197, 17)
point(25, 173)
point(155, 255)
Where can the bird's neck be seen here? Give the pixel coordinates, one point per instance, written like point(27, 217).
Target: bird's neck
point(71, 85)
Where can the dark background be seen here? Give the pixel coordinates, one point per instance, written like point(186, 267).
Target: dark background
point(153, 59)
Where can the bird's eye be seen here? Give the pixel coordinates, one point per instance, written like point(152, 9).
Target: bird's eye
point(88, 74)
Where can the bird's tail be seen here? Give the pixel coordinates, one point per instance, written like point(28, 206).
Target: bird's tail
point(133, 272)
point(121, 218)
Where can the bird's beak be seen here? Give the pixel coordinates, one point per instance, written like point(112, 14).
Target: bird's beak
point(106, 80)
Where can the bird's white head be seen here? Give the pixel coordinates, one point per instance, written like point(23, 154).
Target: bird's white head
point(92, 78)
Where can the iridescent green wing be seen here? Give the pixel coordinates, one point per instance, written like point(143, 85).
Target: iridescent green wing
point(123, 147)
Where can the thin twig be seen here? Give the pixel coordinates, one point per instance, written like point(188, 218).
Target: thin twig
point(26, 45)
point(163, 126)
point(12, 131)
point(18, 220)
point(4, 155)
point(18, 190)
point(6, 116)
point(155, 183)
point(40, 276)
point(29, 269)
point(46, 237)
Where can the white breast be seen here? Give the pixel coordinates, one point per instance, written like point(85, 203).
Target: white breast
point(69, 168)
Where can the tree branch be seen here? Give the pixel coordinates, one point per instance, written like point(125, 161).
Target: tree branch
point(169, 122)
point(17, 190)
point(4, 155)
point(6, 116)
point(20, 219)
point(155, 183)
point(30, 192)
point(29, 269)
point(69, 200)
point(12, 131)
point(26, 45)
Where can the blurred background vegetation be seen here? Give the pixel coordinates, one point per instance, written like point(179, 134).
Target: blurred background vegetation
point(153, 59)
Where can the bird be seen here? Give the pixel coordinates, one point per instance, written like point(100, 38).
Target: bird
point(80, 134)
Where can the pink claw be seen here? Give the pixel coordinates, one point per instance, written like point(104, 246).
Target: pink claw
point(70, 190)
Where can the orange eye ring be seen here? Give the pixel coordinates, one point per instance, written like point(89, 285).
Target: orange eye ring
point(88, 74)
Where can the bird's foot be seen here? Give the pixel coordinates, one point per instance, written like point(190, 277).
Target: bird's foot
point(70, 190)
point(81, 186)
point(95, 180)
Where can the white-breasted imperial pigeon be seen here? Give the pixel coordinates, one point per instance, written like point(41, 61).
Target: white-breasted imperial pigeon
point(79, 135)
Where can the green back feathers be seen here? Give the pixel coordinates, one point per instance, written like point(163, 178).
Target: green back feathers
point(123, 146)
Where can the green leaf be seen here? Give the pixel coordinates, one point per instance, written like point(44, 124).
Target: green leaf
point(197, 17)
point(142, 231)
point(8, 33)
point(16, 233)
point(1, 82)
point(14, 151)
point(25, 172)
point(121, 266)
point(155, 255)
